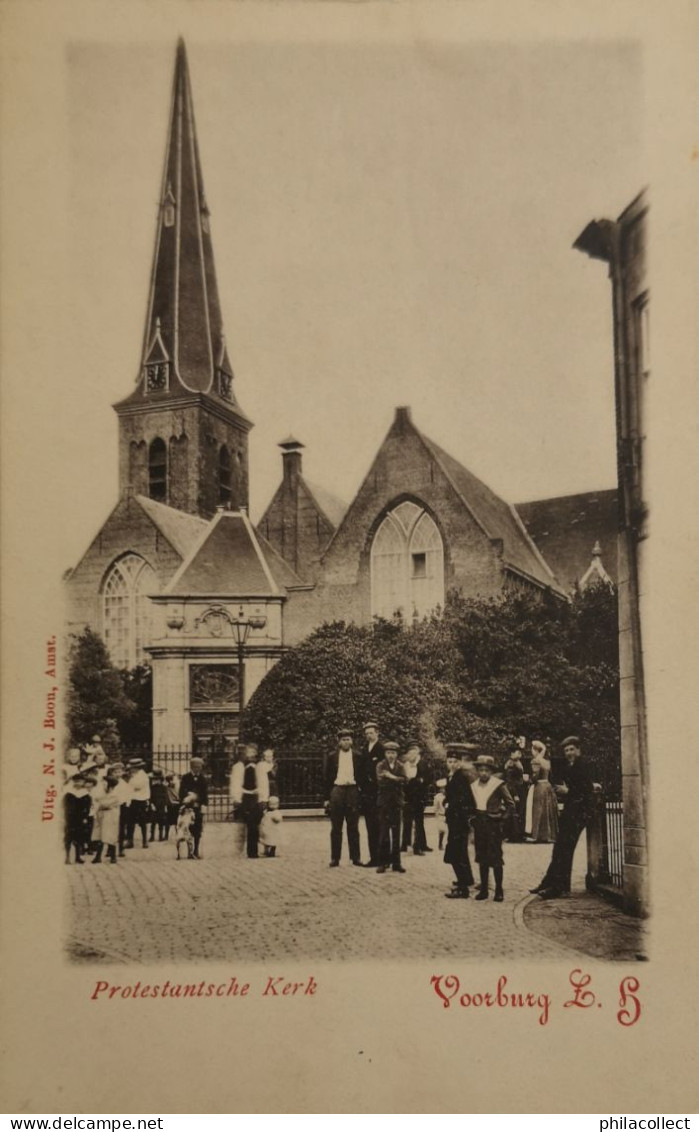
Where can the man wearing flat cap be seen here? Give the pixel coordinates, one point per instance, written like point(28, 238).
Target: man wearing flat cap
point(342, 772)
point(390, 775)
point(418, 778)
point(372, 753)
point(577, 792)
point(139, 791)
point(459, 805)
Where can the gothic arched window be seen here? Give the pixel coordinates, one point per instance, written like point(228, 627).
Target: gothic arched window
point(407, 564)
point(157, 470)
point(224, 475)
point(127, 610)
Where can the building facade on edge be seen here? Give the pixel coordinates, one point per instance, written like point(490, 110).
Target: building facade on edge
point(621, 244)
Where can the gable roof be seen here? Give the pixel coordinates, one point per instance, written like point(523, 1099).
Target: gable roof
point(179, 528)
point(567, 527)
point(328, 504)
point(498, 519)
point(226, 560)
point(281, 571)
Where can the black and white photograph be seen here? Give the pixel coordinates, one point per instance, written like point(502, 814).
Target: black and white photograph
point(380, 628)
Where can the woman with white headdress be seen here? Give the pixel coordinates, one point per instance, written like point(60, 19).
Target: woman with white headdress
point(544, 804)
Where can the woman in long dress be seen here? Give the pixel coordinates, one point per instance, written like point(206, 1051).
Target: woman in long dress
point(545, 806)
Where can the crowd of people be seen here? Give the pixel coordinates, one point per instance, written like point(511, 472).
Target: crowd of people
point(108, 806)
point(474, 802)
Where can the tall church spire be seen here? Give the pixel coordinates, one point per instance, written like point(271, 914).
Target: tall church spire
point(183, 438)
point(184, 349)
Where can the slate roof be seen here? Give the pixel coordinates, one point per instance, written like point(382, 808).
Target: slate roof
point(567, 527)
point(184, 324)
point(281, 571)
point(180, 529)
point(227, 560)
point(498, 518)
point(332, 507)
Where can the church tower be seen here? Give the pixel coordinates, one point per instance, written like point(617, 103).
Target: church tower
point(183, 438)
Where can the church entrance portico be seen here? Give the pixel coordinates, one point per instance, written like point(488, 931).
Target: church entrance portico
point(214, 739)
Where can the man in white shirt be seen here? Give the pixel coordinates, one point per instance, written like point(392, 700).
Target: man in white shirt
point(342, 798)
point(139, 787)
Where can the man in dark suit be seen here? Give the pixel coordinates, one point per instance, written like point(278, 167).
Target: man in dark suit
point(194, 782)
point(391, 779)
point(372, 753)
point(342, 772)
point(418, 777)
point(577, 792)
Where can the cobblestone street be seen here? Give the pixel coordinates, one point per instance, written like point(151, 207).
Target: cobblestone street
point(152, 907)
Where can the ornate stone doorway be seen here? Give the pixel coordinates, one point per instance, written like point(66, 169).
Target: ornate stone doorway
point(214, 698)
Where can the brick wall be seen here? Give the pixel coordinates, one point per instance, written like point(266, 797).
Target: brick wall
point(296, 528)
point(194, 437)
point(404, 468)
point(128, 528)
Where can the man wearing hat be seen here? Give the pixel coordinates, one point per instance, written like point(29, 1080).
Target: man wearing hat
point(459, 805)
point(249, 793)
point(342, 773)
point(577, 792)
point(493, 802)
point(139, 787)
point(418, 778)
point(390, 775)
point(195, 782)
point(372, 753)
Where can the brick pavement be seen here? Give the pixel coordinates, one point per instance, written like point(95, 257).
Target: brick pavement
point(591, 924)
point(152, 907)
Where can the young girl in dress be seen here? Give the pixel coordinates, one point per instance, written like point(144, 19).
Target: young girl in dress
point(271, 827)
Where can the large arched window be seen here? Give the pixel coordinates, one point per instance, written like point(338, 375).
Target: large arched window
point(127, 610)
point(224, 475)
point(157, 470)
point(407, 564)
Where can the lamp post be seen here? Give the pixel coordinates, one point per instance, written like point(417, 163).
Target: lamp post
point(242, 626)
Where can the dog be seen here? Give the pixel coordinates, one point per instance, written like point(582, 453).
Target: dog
point(183, 829)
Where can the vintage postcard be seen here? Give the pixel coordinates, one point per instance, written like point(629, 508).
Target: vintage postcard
point(347, 555)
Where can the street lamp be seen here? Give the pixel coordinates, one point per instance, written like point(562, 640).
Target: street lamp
point(242, 626)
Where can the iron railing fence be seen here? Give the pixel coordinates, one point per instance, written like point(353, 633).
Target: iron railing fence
point(300, 785)
point(300, 780)
point(613, 839)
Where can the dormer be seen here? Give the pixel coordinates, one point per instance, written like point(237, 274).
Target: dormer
point(156, 367)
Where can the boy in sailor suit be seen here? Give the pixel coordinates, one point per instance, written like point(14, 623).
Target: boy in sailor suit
point(493, 801)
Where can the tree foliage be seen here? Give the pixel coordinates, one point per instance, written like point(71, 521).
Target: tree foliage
point(104, 700)
point(484, 670)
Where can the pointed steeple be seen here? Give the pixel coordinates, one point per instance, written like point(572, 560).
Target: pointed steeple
point(183, 437)
point(183, 320)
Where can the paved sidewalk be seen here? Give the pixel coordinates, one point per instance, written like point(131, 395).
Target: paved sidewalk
point(151, 907)
point(590, 924)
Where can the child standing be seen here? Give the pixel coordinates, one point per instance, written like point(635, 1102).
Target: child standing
point(493, 804)
point(158, 805)
point(172, 791)
point(76, 812)
point(271, 827)
point(440, 812)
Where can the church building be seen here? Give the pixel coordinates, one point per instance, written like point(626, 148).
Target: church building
point(178, 576)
